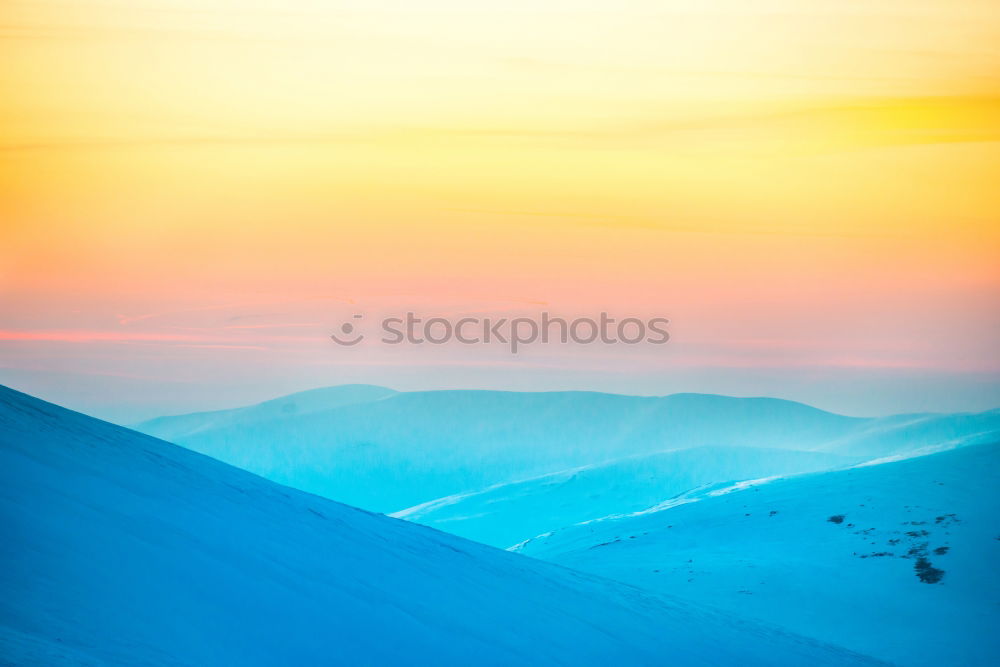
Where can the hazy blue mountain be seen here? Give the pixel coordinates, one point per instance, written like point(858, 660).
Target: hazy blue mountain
point(506, 514)
point(397, 450)
point(120, 549)
point(293, 405)
point(852, 554)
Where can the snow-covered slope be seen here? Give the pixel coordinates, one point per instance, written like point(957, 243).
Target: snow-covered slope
point(897, 560)
point(506, 514)
point(410, 448)
point(905, 434)
point(121, 549)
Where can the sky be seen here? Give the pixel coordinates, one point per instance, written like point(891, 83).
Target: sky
point(195, 193)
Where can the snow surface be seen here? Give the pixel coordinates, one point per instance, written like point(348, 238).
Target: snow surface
point(837, 555)
point(122, 549)
point(399, 450)
point(509, 513)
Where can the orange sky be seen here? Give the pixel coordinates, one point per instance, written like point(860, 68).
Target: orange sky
point(804, 188)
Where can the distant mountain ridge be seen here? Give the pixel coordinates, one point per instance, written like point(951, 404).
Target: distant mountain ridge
point(390, 451)
point(299, 403)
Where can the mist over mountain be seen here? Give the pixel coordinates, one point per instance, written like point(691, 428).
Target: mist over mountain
point(389, 451)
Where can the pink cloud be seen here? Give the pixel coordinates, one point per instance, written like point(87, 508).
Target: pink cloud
point(79, 336)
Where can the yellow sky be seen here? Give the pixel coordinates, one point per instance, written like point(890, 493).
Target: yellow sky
point(682, 155)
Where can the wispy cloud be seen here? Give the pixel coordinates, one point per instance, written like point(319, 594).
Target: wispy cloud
point(83, 336)
point(806, 127)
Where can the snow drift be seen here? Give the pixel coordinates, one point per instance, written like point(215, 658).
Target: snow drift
point(896, 559)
